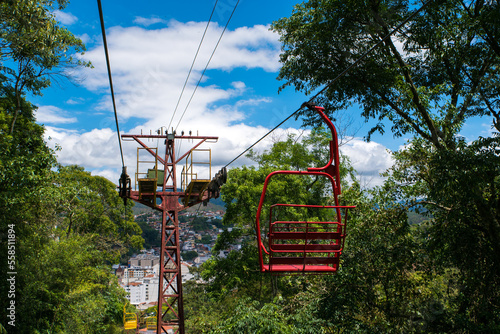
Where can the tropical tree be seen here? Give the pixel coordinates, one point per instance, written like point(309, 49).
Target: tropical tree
point(68, 288)
point(64, 225)
point(459, 189)
point(90, 206)
point(437, 70)
point(34, 48)
point(25, 169)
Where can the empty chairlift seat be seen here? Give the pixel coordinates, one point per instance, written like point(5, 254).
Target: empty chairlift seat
point(149, 184)
point(305, 245)
point(151, 323)
point(130, 321)
point(192, 184)
point(194, 191)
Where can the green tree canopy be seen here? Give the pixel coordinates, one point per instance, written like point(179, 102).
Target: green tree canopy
point(437, 71)
point(434, 74)
point(68, 224)
point(34, 48)
point(90, 206)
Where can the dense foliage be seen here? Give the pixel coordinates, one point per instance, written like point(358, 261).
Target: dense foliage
point(69, 227)
point(441, 273)
point(438, 274)
point(434, 73)
point(60, 226)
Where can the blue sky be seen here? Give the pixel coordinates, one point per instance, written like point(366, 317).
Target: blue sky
point(152, 45)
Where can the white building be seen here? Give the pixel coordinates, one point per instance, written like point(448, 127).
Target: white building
point(134, 273)
point(141, 284)
point(142, 291)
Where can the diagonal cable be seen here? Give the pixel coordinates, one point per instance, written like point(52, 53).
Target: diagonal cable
point(192, 64)
point(110, 78)
point(364, 55)
point(209, 60)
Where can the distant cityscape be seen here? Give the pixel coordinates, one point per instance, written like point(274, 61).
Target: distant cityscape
point(198, 233)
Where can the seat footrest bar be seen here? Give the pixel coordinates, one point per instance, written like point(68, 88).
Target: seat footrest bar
point(298, 248)
point(304, 260)
point(304, 235)
point(300, 268)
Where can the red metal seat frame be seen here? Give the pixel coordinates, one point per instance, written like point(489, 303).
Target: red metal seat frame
point(306, 257)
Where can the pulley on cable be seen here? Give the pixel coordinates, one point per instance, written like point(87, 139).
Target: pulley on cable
point(124, 186)
point(216, 183)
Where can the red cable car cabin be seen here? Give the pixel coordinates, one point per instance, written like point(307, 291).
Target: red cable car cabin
point(310, 245)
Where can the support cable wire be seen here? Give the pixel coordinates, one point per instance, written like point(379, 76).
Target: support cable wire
point(110, 78)
point(335, 79)
point(192, 64)
point(206, 66)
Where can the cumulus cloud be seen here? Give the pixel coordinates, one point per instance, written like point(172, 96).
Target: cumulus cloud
point(369, 159)
point(75, 100)
point(65, 18)
point(146, 22)
point(85, 38)
point(94, 149)
point(170, 53)
point(53, 115)
point(148, 75)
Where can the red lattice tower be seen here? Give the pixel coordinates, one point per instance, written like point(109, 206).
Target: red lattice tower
point(159, 190)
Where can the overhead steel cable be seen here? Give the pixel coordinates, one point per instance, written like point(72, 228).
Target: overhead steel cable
point(110, 78)
point(334, 80)
point(208, 63)
point(192, 64)
point(264, 136)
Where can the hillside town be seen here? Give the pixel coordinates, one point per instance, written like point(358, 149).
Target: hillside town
point(198, 233)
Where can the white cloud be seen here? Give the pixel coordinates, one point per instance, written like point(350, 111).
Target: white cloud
point(85, 38)
point(170, 53)
point(65, 18)
point(253, 102)
point(399, 44)
point(149, 68)
point(146, 22)
point(75, 100)
point(53, 115)
point(369, 159)
point(95, 149)
point(111, 174)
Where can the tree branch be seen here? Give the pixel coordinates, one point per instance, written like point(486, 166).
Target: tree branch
point(404, 115)
point(434, 137)
point(442, 207)
point(489, 38)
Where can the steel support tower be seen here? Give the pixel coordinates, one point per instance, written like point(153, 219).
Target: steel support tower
point(170, 200)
